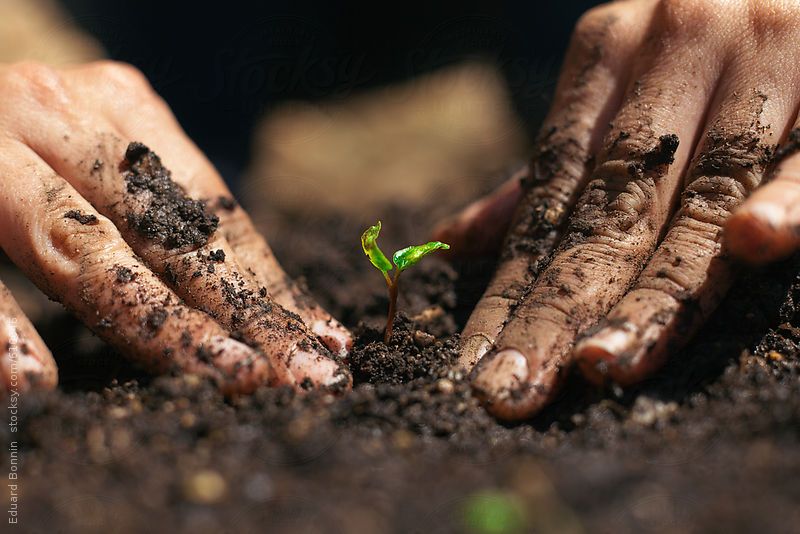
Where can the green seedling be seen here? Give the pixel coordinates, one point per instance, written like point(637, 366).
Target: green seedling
point(402, 260)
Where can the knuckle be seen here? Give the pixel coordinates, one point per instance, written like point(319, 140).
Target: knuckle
point(238, 229)
point(712, 199)
point(545, 304)
point(123, 73)
point(771, 19)
point(688, 19)
point(503, 297)
point(66, 249)
point(594, 20)
point(124, 77)
point(723, 175)
point(38, 81)
point(613, 202)
point(677, 268)
point(605, 25)
point(677, 12)
point(81, 242)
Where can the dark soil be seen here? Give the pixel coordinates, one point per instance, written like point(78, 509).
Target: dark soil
point(83, 218)
point(710, 444)
point(162, 213)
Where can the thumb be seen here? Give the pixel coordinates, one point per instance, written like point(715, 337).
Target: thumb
point(479, 229)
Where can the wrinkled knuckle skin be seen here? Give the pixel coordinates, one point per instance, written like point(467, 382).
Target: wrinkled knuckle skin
point(602, 30)
point(774, 20)
point(79, 244)
point(611, 206)
point(712, 199)
point(122, 73)
point(33, 81)
point(125, 79)
point(592, 26)
point(686, 18)
point(723, 175)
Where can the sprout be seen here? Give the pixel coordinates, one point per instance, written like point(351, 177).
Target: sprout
point(402, 259)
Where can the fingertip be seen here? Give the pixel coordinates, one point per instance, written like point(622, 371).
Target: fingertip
point(28, 370)
point(502, 381)
point(244, 369)
point(314, 370)
point(595, 360)
point(334, 336)
point(25, 363)
point(757, 233)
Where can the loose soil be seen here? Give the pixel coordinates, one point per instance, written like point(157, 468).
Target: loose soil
point(162, 213)
point(712, 443)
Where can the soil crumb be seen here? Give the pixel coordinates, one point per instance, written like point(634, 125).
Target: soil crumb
point(124, 275)
point(159, 209)
point(790, 147)
point(663, 153)
point(83, 218)
point(411, 353)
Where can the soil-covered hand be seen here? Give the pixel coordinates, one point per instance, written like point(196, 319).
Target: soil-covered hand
point(165, 266)
point(668, 114)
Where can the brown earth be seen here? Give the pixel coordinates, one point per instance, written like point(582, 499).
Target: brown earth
point(710, 444)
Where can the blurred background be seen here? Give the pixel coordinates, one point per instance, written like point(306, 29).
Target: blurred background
point(340, 105)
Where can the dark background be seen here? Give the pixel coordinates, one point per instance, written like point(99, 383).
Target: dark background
point(222, 65)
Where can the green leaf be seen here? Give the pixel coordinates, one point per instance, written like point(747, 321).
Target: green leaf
point(369, 243)
point(406, 257)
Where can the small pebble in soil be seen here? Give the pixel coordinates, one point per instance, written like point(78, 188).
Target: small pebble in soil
point(205, 487)
point(423, 339)
point(445, 386)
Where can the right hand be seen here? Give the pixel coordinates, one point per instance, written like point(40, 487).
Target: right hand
point(167, 268)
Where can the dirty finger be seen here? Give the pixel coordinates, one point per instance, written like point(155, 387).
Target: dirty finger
point(154, 123)
point(612, 233)
point(588, 93)
point(25, 361)
point(77, 257)
point(689, 274)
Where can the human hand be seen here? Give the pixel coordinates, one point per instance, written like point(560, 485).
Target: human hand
point(667, 115)
point(166, 267)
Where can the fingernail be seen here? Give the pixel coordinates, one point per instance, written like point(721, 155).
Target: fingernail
point(334, 336)
point(502, 374)
point(321, 371)
point(244, 366)
point(474, 348)
point(20, 370)
point(598, 353)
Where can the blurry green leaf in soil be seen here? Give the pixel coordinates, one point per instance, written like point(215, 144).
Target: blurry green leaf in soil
point(493, 513)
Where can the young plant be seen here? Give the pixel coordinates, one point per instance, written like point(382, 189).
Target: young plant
point(402, 259)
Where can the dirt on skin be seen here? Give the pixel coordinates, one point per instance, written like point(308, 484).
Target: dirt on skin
point(712, 443)
point(166, 216)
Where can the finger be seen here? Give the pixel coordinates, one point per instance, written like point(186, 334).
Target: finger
point(588, 92)
point(767, 226)
point(478, 230)
point(613, 231)
point(78, 258)
point(688, 275)
point(155, 123)
point(174, 234)
point(177, 238)
point(25, 361)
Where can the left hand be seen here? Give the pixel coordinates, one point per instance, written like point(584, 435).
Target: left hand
point(667, 115)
